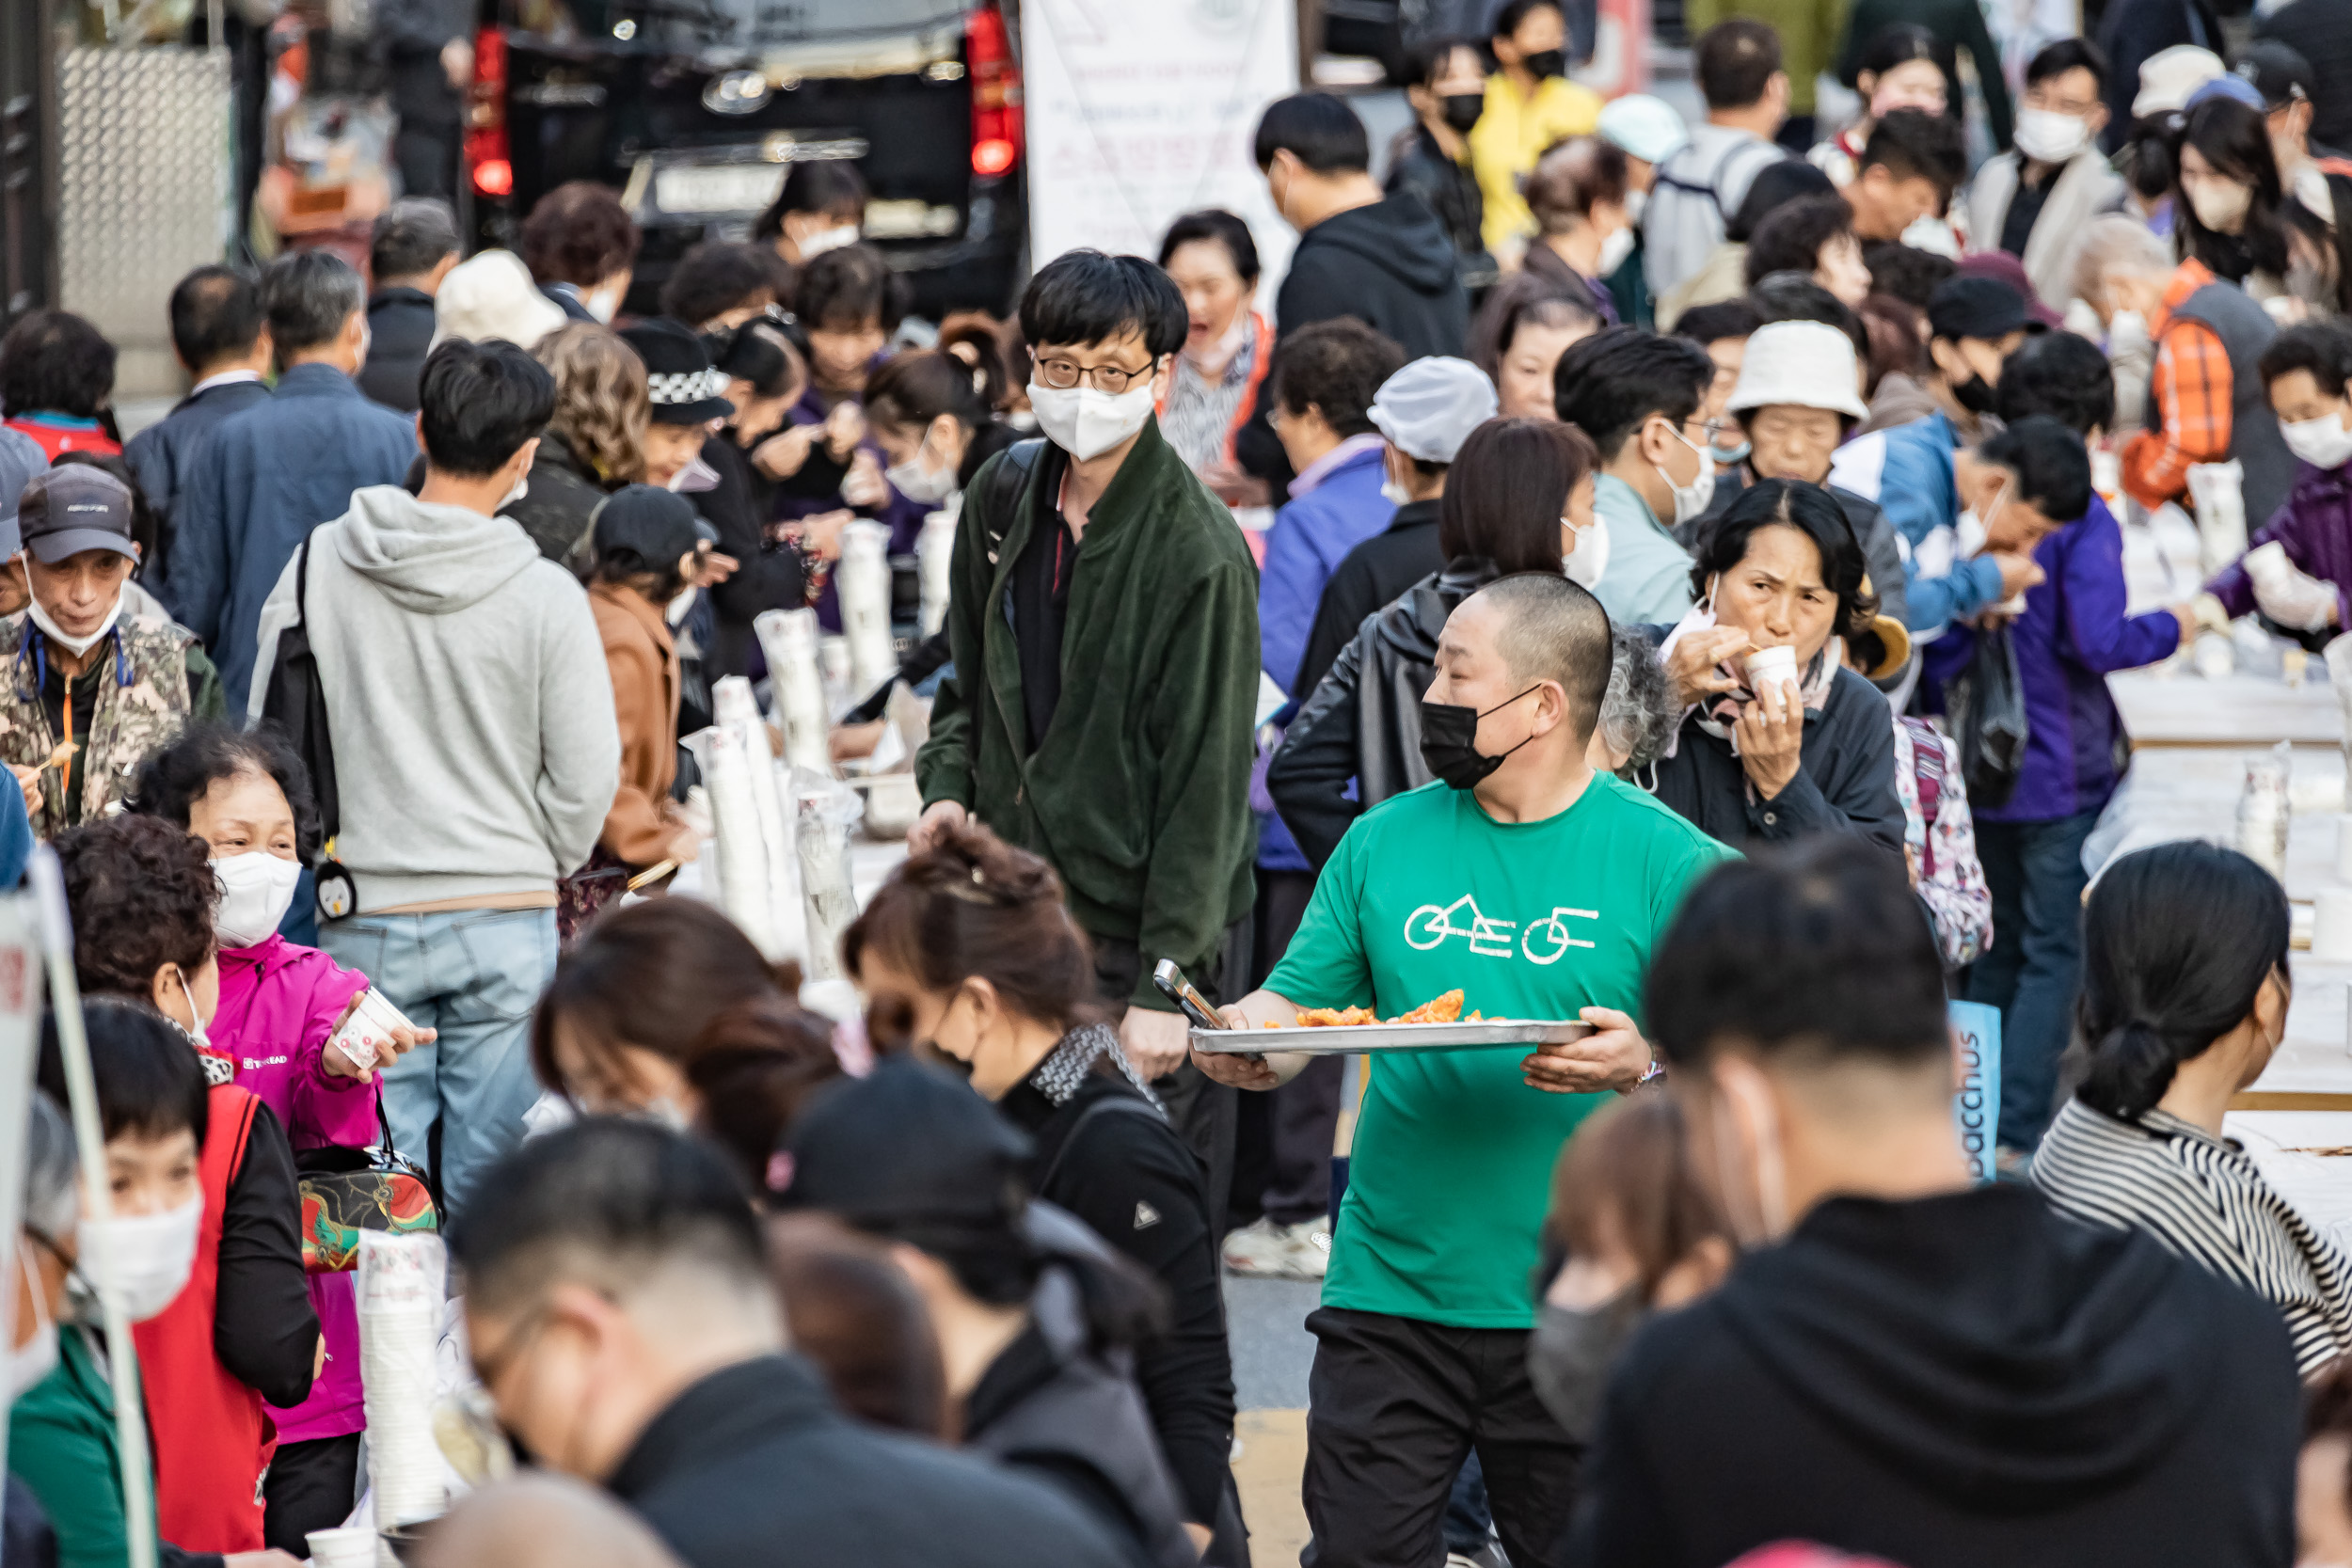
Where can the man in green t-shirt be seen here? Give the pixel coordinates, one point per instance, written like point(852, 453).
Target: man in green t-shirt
point(1537, 887)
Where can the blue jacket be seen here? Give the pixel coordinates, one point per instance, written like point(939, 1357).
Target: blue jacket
point(1311, 536)
point(161, 454)
point(2073, 636)
point(267, 477)
point(1908, 472)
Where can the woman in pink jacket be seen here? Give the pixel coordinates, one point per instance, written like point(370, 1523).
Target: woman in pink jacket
point(247, 797)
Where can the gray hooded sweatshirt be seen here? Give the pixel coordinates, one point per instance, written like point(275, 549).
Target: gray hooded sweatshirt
point(467, 696)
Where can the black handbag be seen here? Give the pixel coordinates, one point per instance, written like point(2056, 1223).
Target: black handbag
point(295, 700)
point(1985, 706)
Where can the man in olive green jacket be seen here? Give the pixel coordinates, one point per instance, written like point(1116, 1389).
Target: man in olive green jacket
point(1105, 626)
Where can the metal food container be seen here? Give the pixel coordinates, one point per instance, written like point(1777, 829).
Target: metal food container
point(1346, 1039)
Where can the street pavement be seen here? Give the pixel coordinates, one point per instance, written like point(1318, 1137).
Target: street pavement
point(1272, 1349)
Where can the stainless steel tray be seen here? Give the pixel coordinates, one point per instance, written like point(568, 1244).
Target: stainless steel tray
point(1347, 1038)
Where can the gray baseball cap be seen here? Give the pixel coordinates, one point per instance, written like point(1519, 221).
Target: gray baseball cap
point(66, 511)
point(1427, 409)
point(21, 458)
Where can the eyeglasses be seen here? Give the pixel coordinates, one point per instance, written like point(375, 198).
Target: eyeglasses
point(1062, 374)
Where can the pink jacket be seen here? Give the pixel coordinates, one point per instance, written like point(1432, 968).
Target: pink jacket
point(278, 1003)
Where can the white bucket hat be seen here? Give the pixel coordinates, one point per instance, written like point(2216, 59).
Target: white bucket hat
point(2170, 77)
point(1800, 364)
point(491, 296)
point(1427, 409)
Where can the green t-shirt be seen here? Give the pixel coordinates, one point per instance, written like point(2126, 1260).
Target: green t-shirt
point(1453, 1155)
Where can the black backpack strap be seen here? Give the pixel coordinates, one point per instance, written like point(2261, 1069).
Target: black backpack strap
point(1135, 1104)
point(1005, 483)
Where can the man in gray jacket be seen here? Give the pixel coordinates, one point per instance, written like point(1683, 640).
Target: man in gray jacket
point(475, 748)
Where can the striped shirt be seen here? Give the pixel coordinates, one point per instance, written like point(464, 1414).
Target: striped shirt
point(2201, 1197)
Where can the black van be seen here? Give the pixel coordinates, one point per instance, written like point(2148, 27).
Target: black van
point(694, 109)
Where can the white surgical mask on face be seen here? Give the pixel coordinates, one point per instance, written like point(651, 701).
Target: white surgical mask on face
point(1693, 499)
point(828, 239)
point(926, 486)
point(2050, 137)
point(257, 889)
point(603, 304)
point(142, 1260)
point(522, 488)
point(2323, 442)
point(33, 1360)
point(1591, 557)
point(1395, 494)
point(1614, 251)
point(1086, 422)
point(56, 633)
point(2220, 203)
point(1636, 203)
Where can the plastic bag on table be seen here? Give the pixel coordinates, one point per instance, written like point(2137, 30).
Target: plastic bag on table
point(2219, 491)
point(794, 670)
point(1985, 710)
point(745, 889)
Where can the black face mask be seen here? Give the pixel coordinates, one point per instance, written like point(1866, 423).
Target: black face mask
point(1547, 62)
point(1462, 109)
point(1449, 741)
point(1974, 394)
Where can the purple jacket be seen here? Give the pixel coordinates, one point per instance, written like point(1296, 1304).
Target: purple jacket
point(278, 1003)
point(903, 518)
point(2073, 636)
point(2314, 525)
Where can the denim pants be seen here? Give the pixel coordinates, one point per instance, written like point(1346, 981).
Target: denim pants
point(474, 975)
point(2035, 873)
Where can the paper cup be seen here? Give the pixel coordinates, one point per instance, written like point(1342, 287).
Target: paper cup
point(1771, 664)
point(2343, 849)
point(348, 1547)
point(367, 1033)
point(2331, 925)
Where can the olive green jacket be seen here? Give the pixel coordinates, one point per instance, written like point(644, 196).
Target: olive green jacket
point(1139, 791)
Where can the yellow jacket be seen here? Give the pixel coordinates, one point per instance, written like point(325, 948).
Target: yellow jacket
point(1511, 134)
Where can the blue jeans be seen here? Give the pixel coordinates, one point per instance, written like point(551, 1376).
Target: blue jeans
point(2035, 873)
point(474, 975)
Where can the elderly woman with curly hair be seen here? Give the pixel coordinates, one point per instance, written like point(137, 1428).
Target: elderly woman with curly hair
point(242, 1334)
point(592, 445)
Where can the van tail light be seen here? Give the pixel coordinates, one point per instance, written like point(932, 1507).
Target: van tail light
point(487, 163)
point(995, 92)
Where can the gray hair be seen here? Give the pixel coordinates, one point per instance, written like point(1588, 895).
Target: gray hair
point(52, 1198)
point(411, 237)
point(2116, 244)
point(1637, 713)
point(308, 296)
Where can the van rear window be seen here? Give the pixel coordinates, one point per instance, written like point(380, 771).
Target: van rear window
point(739, 24)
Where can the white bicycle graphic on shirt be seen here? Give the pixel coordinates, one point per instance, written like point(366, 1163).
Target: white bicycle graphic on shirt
point(1430, 924)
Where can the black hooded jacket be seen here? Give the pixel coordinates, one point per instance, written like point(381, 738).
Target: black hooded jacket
point(1950, 1383)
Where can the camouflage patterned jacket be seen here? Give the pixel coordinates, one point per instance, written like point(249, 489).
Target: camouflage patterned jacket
point(153, 679)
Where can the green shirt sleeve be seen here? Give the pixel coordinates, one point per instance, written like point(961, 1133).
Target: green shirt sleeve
point(206, 697)
point(1325, 965)
point(61, 1445)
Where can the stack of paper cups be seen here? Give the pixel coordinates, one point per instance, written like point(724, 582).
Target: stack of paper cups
point(2343, 849)
point(401, 1299)
point(744, 889)
point(2261, 815)
point(934, 553)
point(788, 638)
point(864, 584)
point(2219, 491)
point(733, 706)
point(829, 892)
point(2331, 925)
point(346, 1546)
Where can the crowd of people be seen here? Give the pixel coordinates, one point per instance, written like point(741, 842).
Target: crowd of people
point(1680, 563)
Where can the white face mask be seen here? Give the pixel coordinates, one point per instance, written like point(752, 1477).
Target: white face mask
point(36, 1357)
point(2323, 442)
point(925, 486)
point(2050, 137)
point(1395, 494)
point(1763, 1216)
point(603, 304)
point(257, 889)
point(1591, 559)
point(1614, 251)
point(828, 239)
point(56, 633)
point(142, 1260)
point(1084, 422)
point(1636, 202)
point(1690, 500)
point(522, 488)
point(2220, 203)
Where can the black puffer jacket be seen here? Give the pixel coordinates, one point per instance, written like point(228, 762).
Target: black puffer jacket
point(1363, 722)
point(556, 508)
point(1419, 165)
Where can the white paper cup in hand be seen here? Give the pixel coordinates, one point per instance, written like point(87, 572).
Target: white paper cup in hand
point(367, 1033)
point(347, 1548)
point(1771, 664)
point(2331, 925)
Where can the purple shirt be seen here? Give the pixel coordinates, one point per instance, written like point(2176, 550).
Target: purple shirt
point(903, 518)
point(278, 1004)
point(2314, 527)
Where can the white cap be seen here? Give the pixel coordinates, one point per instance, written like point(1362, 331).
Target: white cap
point(2168, 76)
point(1800, 365)
point(1428, 408)
point(1643, 127)
point(491, 296)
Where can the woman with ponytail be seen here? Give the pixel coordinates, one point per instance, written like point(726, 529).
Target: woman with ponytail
point(2185, 992)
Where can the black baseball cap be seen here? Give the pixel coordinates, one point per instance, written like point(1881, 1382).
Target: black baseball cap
point(905, 1148)
point(656, 524)
point(1964, 307)
point(66, 511)
point(2277, 70)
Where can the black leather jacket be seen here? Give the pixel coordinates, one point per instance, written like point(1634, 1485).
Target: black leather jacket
point(1420, 165)
point(1363, 722)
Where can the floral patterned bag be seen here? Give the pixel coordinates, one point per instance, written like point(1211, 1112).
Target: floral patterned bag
point(346, 1191)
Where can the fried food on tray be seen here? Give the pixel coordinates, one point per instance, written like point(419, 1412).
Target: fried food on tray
point(1444, 1010)
point(1335, 1018)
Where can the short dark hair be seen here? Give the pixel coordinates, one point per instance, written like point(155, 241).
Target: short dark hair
point(1524, 298)
point(1790, 179)
point(1425, 58)
point(1905, 272)
point(714, 277)
point(842, 289)
point(1337, 365)
point(1815, 954)
point(1514, 12)
point(577, 233)
point(1898, 43)
point(828, 185)
point(1613, 381)
point(2076, 54)
point(1215, 224)
point(150, 1082)
point(214, 313)
point(53, 361)
point(1913, 144)
point(2061, 375)
point(173, 778)
point(1812, 510)
point(1507, 491)
point(1556, 631)
point(1794, 296)
point(1709, 324)
point(1317, 129)
point(604, 1200)
point(411, 237)
point(1083, 296)
point(2052, 466)
point(1737, 59)
point(2323, 348)
point(1571, 176)
point(309, 296)
point(143, 893)
point(480, 403)
point(1792, 238)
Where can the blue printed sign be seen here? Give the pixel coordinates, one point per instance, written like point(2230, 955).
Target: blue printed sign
point(1977, 1108)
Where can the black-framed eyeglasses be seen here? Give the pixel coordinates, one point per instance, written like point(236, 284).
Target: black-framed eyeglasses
point(1062, 374)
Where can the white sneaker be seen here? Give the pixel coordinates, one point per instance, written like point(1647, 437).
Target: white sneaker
point(1265, 1250)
